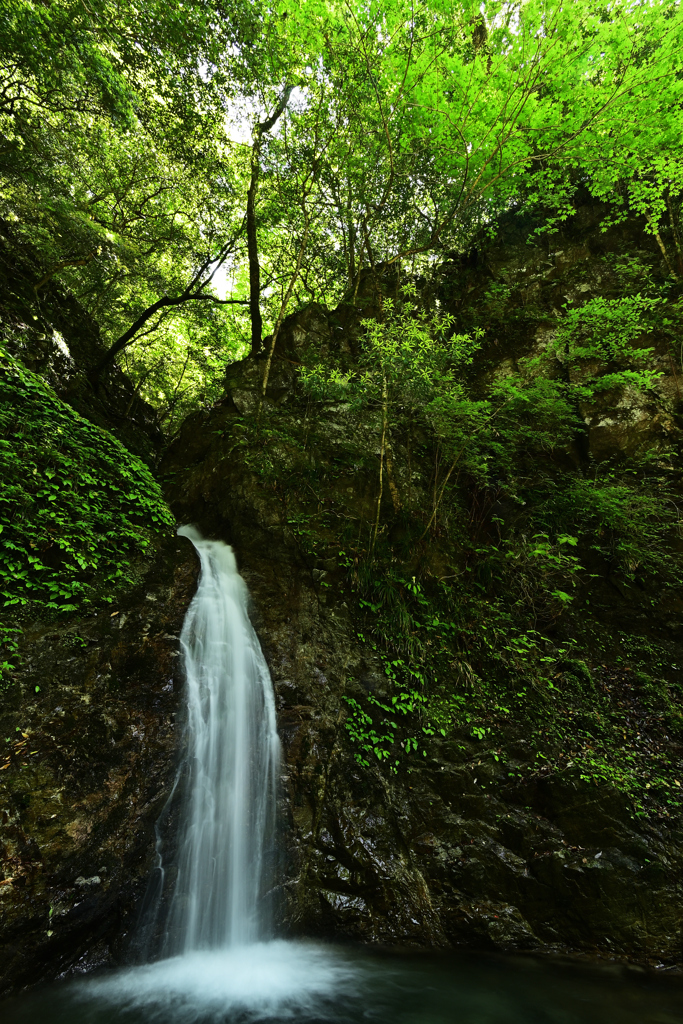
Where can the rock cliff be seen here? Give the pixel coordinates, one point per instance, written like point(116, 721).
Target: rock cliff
point(493, 831)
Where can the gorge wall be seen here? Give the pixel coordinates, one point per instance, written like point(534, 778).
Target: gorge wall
point(494, 830)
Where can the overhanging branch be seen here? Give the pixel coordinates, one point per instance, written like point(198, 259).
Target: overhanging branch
point(166, 302)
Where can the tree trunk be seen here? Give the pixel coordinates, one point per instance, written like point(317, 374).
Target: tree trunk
point(654, 227)
point(252, 241)
point(395, 496)
point(252, 250)
point(676, 236)
point(352, 252)
point(385, 418)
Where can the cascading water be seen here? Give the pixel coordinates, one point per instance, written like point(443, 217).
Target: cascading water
point(218, 961)
point(233, 757)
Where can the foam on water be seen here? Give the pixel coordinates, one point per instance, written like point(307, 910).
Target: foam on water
point(256, 981)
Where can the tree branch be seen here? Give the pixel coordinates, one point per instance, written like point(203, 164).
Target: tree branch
point(128, 336)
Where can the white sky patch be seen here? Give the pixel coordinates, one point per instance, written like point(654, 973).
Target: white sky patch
point(239, 121)
point(244, 113)
point(223, 282)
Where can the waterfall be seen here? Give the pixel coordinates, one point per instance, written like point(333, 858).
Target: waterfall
point(218, 962)
point(233, 755)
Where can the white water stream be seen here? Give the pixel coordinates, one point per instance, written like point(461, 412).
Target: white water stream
point(234, 757)
point(219, 961)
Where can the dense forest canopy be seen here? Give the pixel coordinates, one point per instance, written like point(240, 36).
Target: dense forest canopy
point(194, 171)
point(400, 286)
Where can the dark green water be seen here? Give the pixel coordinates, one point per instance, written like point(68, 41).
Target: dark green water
point(315, 984)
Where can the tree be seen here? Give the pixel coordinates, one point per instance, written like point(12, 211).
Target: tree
point(413, 360)
point(111, 169)
point(455, 110)
point(386, 134)
point(261, 129)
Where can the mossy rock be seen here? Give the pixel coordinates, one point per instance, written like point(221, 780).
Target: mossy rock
point(579, 671)
point(77, 510)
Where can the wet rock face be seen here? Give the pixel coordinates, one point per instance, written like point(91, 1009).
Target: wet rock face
point(87, 754)
point(457, 849)
point(431, 861)
point(452, 853)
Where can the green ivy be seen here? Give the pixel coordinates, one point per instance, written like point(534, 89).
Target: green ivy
point(75, 507)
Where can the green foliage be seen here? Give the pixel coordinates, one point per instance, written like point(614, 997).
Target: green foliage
point(482, 659)
point(608, 331)
point(76, 508)
point(479, 659)
point(536, 415)
point(539, 575)
point(127, 147)
point(413, 643)
point(476, 675)
point(112, 179)
point(408, 357)
point(627, 517)
point(526, 681)
point(634, 273)
point(182, 368)
point(386, 745)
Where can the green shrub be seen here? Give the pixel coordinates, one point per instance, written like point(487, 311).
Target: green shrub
point(75, 506)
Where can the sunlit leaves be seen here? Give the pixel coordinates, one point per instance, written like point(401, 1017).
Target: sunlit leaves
point(127, 132)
